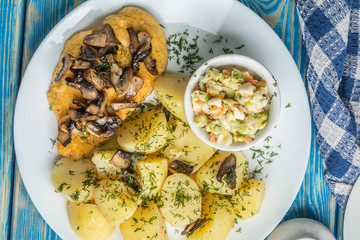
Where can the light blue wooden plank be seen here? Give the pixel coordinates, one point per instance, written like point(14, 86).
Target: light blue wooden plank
point(11, 25)
point(315, 200)
point(41, 17)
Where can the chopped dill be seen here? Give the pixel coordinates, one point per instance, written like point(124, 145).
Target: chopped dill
point(240, 47)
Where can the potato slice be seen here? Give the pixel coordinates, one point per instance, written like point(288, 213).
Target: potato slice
point(248, 199)
point(74, 179)
point(146, 223)
point(219, 218)
point(181, 200)
point(115, 200)
point(206, 176)
point(144, 132)
point(109, 145)
point(105, 169)
point(170, 90)
point(153, 172)
point(88, 222)
point(184, 145)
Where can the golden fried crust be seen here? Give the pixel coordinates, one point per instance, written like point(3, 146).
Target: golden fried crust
point(60, 95)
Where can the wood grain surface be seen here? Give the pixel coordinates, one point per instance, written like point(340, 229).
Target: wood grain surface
point(11, 25)
point(25, 23)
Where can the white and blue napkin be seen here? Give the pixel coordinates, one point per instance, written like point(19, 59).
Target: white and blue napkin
point(332, 41)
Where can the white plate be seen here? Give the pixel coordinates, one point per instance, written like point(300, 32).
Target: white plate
point(301, 229)
point(34, 124)
point(352, 213)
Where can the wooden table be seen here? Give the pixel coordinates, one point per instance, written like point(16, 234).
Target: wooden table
point(23, 26)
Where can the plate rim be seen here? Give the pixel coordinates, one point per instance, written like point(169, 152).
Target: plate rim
point(355, 191)
point(122, 4)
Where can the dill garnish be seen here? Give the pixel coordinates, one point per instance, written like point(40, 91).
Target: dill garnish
point(53, 142)
point(240, 47)
point(184, 50)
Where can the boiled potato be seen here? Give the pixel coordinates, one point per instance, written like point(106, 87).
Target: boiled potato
point(144, 132)
point(181, 200)
point(146, 223)
point(248, 199)
point(153, 172)
point(170, 90)
point(115, 200)
point(184, 145)
point(88, 222)
point(206, 176)
point(74, 179)
point(109, 145)
point(218, 216)
point(105, 169)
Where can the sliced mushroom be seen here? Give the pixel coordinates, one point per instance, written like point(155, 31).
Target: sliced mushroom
point(63, 119)
point(136, 67)
point(108, 49)
point(93, 109)
point(67, 61)
point(104, 127)
point(135, 86)
point(64, 138)
point(134, 42)
point(71, 127)
point(180, 167)
point(81, 115)
point(141, 54)
point(228, 168)
point(120, 106)
point(79, 103)
point(150, 65)
point(97, 39)
point(89, 54)
point(143, 38)
point(62, 124)
point(91, 76)
point(87, 90)
point(189, 229)
point(121, 83)
point(67, 129)
point(106, 77)
point(121, 159)
point(110, 59)
point(81, 65)
point(133, 175)
point(115, 71)
point(110, 35)
point(97, 107)
point(102, 101)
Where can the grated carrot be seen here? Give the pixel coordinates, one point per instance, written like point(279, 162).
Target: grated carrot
point(213, 137)
point(210, 92)
point(218, 109)
point(248, 77)
point(226, 72)
point(242, 108)
point(199, 101)
point(197, 88)
point(220, 96)
point(254, 82)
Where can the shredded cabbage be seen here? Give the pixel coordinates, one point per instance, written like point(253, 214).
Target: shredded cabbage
point(232, 106)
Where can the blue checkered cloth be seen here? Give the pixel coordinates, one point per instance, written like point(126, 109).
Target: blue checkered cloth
point(332, 42)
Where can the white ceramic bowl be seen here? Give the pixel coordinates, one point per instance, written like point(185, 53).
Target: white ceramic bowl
point(254, 68)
